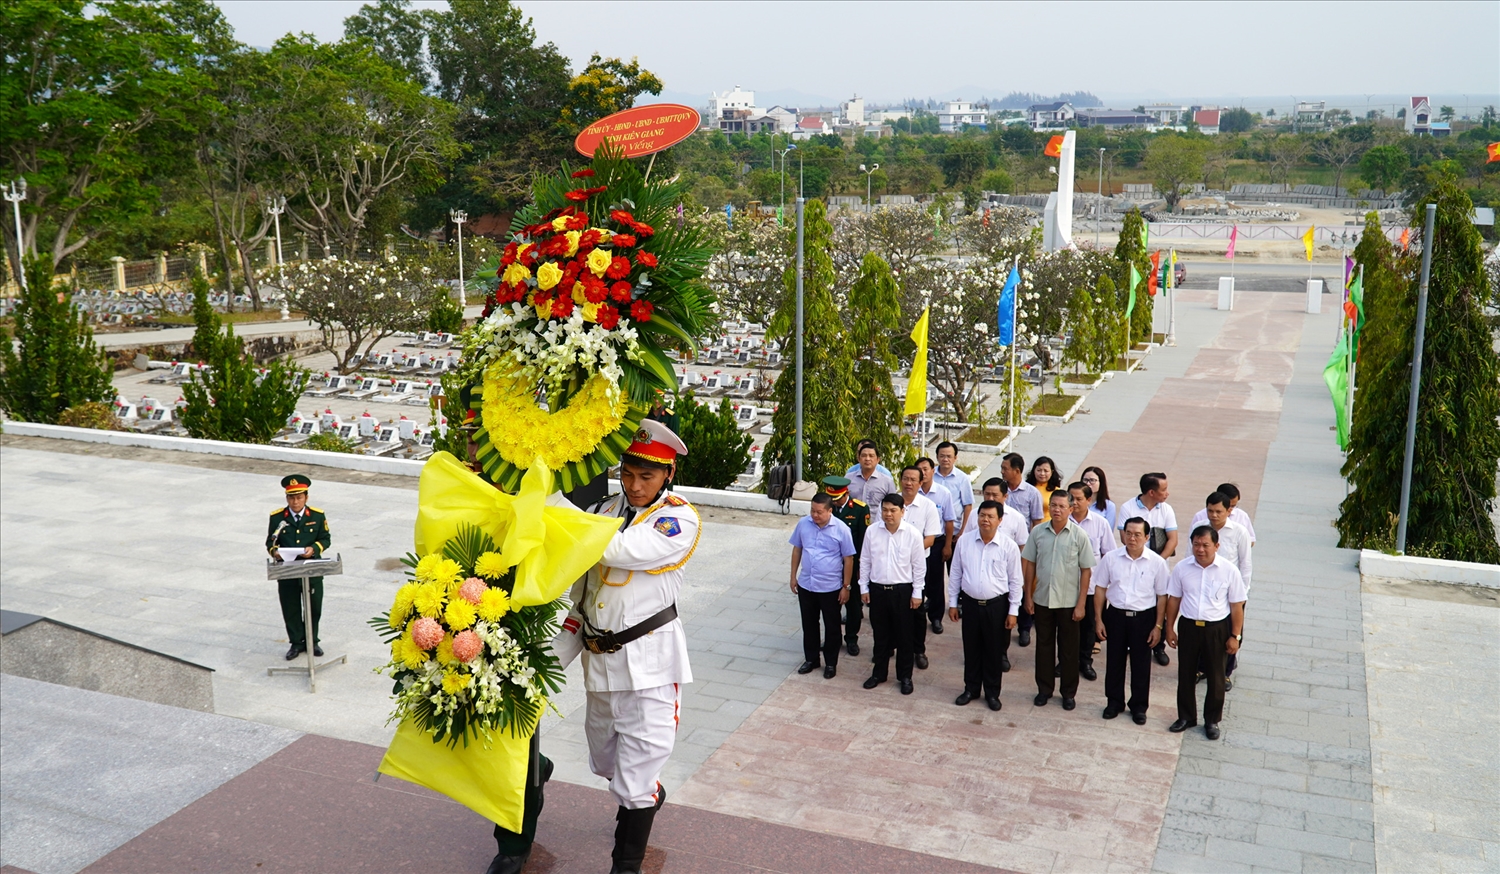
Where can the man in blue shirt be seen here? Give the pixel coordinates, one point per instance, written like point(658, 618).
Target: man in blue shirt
point(823, 552)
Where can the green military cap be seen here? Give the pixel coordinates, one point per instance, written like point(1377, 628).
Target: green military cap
point(295, 483)
point(835, 486)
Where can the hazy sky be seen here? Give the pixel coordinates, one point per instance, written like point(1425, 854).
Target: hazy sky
point(887, 51)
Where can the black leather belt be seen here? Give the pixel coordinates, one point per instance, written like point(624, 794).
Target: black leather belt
point(613, 641)
point(889, 585)
point(986, 601)
point(1131, 613)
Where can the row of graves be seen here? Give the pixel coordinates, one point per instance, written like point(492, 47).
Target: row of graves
point(367, 434)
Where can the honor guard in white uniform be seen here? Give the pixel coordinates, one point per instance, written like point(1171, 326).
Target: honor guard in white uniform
point(624, 623)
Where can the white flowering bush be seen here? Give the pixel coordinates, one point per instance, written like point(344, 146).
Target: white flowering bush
point(359, 304)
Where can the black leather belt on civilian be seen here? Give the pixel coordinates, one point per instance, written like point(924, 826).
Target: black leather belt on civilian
point(1131, 613)
point(986, 601)
point(606, 642)
point(890, 585)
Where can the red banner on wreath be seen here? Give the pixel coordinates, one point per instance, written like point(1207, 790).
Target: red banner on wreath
point(641, 130)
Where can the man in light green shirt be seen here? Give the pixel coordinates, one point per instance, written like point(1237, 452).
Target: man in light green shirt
point(1056, 565)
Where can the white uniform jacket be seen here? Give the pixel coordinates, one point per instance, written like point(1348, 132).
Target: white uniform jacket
point(639, 576)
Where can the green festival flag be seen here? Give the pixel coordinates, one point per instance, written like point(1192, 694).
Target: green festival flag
point(1145, 234)
point(1336, 376)
point(1135, 279)
point(1357, 296)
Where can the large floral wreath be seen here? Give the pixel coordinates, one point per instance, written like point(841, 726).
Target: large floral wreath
point(600, 279)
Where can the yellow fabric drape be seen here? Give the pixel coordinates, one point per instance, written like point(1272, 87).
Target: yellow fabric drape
point(491, 782)
point(550, 547)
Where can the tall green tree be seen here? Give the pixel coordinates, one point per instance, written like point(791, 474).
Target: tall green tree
point(1109, 326)
point(1131, 251)
point(875, 318)
point(52, 364)
point(721, 451)
point(1383, 166)
point(827, 393)
point(1457, 442)
point(1174, 162)
point(396, 32)
point(1081, 350)
point(1384, 273)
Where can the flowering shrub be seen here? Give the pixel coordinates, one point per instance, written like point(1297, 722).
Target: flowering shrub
point(358, 304)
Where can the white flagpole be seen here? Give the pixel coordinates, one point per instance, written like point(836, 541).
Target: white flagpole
point(1015, 302)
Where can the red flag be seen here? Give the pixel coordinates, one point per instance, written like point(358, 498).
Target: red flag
point(986, 218)
point(1494, 152)
point(1054, 147)
point(1151, 280)
point(1405, 239)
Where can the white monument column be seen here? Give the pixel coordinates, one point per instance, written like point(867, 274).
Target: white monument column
point(1057, 228)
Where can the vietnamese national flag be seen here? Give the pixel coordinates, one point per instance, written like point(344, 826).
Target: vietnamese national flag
point(1494, 153)
point(1152, 279)
point(1405, 239)
point(1054, 147)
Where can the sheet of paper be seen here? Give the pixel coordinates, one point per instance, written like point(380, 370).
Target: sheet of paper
point(288, 553)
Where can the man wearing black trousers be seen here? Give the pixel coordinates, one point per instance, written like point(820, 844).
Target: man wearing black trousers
point(986, 581)
point(1130, 598)
point(1205, 617)
point(1057, 563)
point(822, 561)
point(892, 569)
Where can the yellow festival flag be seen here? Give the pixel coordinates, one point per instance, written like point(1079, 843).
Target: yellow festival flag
point(916, 386)
point(1307, 240)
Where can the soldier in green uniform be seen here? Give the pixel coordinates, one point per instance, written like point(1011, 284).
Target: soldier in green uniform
point(856, 515)
point(295, 525)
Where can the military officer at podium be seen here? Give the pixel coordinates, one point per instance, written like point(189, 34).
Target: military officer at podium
point(292, 526)
point(624, 622)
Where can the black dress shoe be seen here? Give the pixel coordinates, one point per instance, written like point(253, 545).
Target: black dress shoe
point(1005, 664)
point(964, 697)
point(873, 682)
point(1181, 725)
point(1161, 657)
point(317, 650)
point(1069, 703)
point(906, 687)
point(293, 651)
point(503, 864)
point(852, 647)
point(937, 626)
point(1088, 672)
point(1200, 677)
point(1111, 712)
point(1140, 718)
point(1024, 638)
point(1211, 730)
point(1057, 670)
point(829, 672)
point(1228, 684)
point(807, 667)
point(994, 703)
point(922, 660)
point(1041, 700)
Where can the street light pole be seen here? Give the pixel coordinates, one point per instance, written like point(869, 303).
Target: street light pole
point(869, 175)
point(800, 209)
point(459, 217)
point(276, 206)
point(1416, 381)
point(1099, 216)
point(15, 192)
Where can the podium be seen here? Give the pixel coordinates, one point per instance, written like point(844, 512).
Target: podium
point(306, 569)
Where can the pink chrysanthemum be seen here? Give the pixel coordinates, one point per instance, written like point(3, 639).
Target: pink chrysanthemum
point(427, 633)
point(472, 590)
point(466, 645)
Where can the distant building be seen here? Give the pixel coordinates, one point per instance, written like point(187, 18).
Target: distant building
point(1312, 112)
point(1419, 117)
point(881, 116)
point(786, 118)
point(1207, 121)
point(1042, 116)
point(853, 111)
point(1114, 119)
point(809, 125)
point(958, 114)
point(1166, 114)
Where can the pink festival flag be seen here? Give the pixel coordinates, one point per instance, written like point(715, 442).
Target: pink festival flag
point(1234, 234)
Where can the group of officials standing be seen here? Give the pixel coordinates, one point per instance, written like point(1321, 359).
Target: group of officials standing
point(1031, 555)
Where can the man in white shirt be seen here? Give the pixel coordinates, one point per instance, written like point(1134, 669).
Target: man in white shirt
point(1013, 527)
point(1022, 496)
point(1208, 595)
point(1234, 547)
point(1130, 599)
point(956, 481)
point(1232, 492)
point(1151, 505)
point(986, 582)
point(1093, 523)
point(891, 570)
point(942, 550)
point(927, 518)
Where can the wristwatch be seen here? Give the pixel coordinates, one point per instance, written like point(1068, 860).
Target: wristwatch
point(1239, 638)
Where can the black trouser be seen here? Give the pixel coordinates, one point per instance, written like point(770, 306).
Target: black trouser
point(290, 592)
point(854, 608)
point(1208, 639)
point(1056, 644)
point(517, 843)
point(984, 636)
point(1127, 639)
point(890, 622)
point(1024, 621)
point(1087, 637)
point(826, 605)
point(936, 595)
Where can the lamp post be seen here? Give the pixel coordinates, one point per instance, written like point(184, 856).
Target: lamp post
point(275, 206)
point(1416, 382)
point(800, 207)
point(869, 174)
point(1099, 216)
point(782, 153)
point(459, 217)
point(15, 192)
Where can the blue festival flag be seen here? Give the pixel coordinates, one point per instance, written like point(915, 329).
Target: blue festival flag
point(729, 214)
point(1006, 311)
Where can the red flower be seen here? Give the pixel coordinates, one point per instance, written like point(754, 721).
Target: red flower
point(530, 257)
point(562, 307)
point(570, 270)
point(565, 287)
point(642, 229)
point(582, 174)
point(607, 317)
point(578, 222)
point(594, 293)
point(645, 259)
point(620, 291)
point(622, 217)
point(578, 194)
point(541, 299)
point(621, 241)
point(619, 268)
point(509, 256)
point(555, 246)
point(587, 240)
point(641, 310)
point(593, 286)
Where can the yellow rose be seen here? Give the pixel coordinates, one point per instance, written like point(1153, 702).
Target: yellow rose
point(605, 234)
point(599, 261)
point(573, 242)
point(578, 296)
point(591, 312)
point(543, 310)
point(560, 223)
point(516, 274)
point(548, 275)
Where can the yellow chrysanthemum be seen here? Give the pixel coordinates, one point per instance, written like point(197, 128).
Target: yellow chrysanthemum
point(401, 607)
point(599, 261)
point(523, 433)
point(428, 566)
point(448, 571)
point(548, 275)
point(429, 599)
point(444, 653)
point(573, 237)
point(516, 274)
point(412, 655)
point(459, 614)
point(491, 565)
point(455, 682)
point(493, 604)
